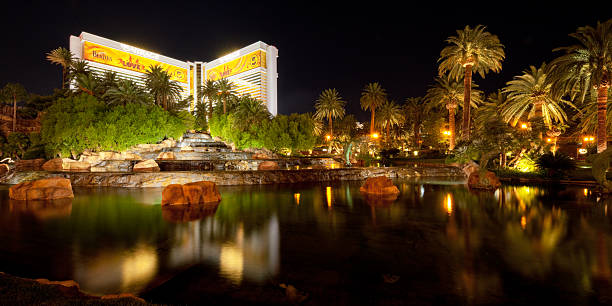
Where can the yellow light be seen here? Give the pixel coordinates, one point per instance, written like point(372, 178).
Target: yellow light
point(523, 222)
point(548, 140)
point(586, 138)
point(416, 153)
point(585, 192)
point(582, 151)
point(329, 196)
point(449, 204)
point(375, 135)
point(523, 126)
point(592, 138)
point(296, 197)
point(328, 137)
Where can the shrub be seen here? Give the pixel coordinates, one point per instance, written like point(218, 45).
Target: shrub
point(555, 165)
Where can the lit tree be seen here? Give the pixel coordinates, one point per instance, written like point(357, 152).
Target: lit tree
point(250, 112)
point(63, 57)
point(415, 108)
point(473, 50)
point(329, 105)
point(14, 92)
point(389, 115)
point(584, 66)
point(210, 90)
point(161, 87)
point(127, 92)
point(372, 96)
point(225, 91)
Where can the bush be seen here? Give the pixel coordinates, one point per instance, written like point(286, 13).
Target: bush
point(555, 165)
point(72, 125)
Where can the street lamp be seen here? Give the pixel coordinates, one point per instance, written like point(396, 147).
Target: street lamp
point(374, 135)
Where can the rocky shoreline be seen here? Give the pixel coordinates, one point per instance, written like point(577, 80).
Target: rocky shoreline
point(165, 178)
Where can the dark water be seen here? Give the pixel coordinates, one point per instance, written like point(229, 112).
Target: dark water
point(438, 243)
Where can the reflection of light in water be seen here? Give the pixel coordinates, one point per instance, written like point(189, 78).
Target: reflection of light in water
point(231, 262)
point(422, 191)
point(585, 192)
point(329, 196)
point(523, 222)
point(138, 268)
point(527, 189)
point(449, 204)
point(296, 197)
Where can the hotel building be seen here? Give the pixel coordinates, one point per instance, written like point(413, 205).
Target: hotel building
point(251, 69)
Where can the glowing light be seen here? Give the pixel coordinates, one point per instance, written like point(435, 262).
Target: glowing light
point(591, 138)
point(296, 197)
point(585, 192)
point(523, 126)
point(448, 204)
point(586, 138)
point(583, 151)
point(327, 137)
point(139, 267)
point(231, 263)
point(374, 135)
point(523, 222)
point(548, 140)
point(329, 196)
point(416, 153)
point(446, 132)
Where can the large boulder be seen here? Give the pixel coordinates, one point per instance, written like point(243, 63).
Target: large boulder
point(379, 185)
point(166, 156)
point(148, 165)
point(29, 164)
point(66, 164)
point(486, 180)
point(45, 189)
point(268, 165)
point(4, 169)
point(190, 193)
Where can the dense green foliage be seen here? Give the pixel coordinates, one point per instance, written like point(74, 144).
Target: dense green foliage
point(555, 164)
point(72, 125)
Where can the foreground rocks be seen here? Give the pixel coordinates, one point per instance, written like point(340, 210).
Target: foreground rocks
point(190, 193)
point(486, 180)
point(44, 189)
point(379, 185)
point(268, 165)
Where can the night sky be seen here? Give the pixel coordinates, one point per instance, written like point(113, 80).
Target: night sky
point(320, 45)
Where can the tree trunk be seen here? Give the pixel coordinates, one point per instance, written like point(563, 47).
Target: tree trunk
point(63, 77)
point(602, 104)
point(224, 108)
point(451, 128)
point(416, 135)
point(388, 134)
point(372, 121)
point(467, 94)
point(331, 130)
point(14, 112)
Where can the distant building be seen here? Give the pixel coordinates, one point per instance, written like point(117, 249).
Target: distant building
point(251, 69)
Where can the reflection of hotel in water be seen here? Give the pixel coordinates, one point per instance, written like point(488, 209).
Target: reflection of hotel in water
point(252, 69)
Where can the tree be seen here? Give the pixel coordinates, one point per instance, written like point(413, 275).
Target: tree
point(471, 51)
point(584, 66)
point(88, 83)
point(61, 56)
point(210, 91)
point(329, 105)
point(250, 112)
point(414, 108)
point(450, 94)
point(126, 92)
point(225, 90)
point(14, 92)
point(532, 94)
point(162, 88)
point(389, 115)
point(76, 68)
point(372, 96)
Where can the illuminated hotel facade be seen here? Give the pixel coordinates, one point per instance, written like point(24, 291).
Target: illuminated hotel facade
point(251, 69)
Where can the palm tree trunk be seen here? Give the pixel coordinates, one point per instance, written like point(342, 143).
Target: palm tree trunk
point(602, 104)
point(14, 112)
point(210, 109)
point(451, 128)
point(63, 77)
point(388, 134)
point(331, 130)
point(416, 134)
point(372, 122)
point(467, 94)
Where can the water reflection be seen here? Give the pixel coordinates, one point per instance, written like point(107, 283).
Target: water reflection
point(186, 213)
point(42, 210)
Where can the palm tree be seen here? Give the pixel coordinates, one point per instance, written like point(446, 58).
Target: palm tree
point(210, 91)
point(588, 115)
point(161, 87)
point(415, 108)
point(61, 56)
point(225, 91)
point(471, 51)
point(584, 66)
point(450, 94)
point(372, 96)
point(127, 92)
point(250, 112)
point(77, 67)
point(329, 105)
point(389, 115)
point(88, 83)
point(14, 92)
point(532, 94)
point(109, 80)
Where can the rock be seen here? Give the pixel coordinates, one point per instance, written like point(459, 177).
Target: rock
point(112, 166)
point(66, 164)
point(129, 298)
point(43, 210)
point(469, 168)
point(186, 149)
point(166, 156)
point(4, 169)
point(268, 165)
point(488, 181)
point(168, 143)
point(29, 164)
point(45, 189)
point(148, 165)
point(67, 283)
point(379, 185)
point(190, 193)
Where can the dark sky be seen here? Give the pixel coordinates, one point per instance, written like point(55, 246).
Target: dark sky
point(321, 45)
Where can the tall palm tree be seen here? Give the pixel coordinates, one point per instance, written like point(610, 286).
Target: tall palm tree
point(225, 90)
point(473, 50)
point(372, 96)
point(127, 92)
point(210, 91)
point(532, 94)
point(63, 57)
point(14, 92)
point(587, 65)
point(329, 105)
point(450, 94)
point(389, 115)
point(249, 112)
point(162, 88)
point(88, 83)
point(415, 109)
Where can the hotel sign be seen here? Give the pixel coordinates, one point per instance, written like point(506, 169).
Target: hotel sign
point(135, 62)
point(244, 63)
